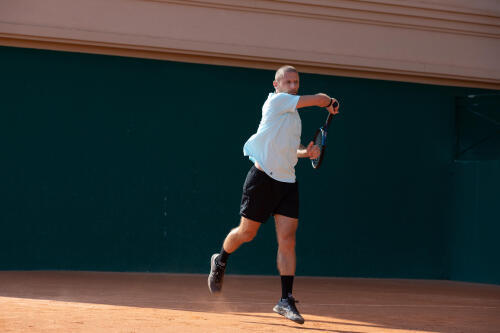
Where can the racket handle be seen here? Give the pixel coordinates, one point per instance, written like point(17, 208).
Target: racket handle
point(328, 120)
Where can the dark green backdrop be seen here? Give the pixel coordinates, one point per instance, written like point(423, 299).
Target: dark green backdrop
point(123, 164)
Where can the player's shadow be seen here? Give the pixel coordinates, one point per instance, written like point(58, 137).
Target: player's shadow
point(309, 329)
point(311, 321)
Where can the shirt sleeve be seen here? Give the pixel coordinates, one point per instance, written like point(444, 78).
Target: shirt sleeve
point(284, 102)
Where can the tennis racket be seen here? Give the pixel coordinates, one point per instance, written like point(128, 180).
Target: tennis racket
point(320, 140)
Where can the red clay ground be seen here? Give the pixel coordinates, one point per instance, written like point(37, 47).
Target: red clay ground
point(137, 302)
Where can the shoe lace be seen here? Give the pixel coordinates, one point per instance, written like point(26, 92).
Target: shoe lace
point(219, 271)
point(292, 301)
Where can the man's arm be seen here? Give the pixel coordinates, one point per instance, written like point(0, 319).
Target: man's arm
point(321, 100)
point(310, 151)
point(302, 151)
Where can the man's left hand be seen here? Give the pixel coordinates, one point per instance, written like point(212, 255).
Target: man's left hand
point(313, 151)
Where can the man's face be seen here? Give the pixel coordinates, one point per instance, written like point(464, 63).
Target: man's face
point(289, 83)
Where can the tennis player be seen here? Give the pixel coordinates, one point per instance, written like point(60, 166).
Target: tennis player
point(270, 187)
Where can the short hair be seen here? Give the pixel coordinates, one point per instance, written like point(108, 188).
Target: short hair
point(282, 70)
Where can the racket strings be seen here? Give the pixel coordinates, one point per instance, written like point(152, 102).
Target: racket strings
point(318, 141)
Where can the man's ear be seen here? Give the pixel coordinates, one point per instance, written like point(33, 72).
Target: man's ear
point(275, 84)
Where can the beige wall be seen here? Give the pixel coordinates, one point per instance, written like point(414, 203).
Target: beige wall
point(454, 42)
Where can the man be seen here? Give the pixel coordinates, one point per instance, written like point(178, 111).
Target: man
point(270, 187)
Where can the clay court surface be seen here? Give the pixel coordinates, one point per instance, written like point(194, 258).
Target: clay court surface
point(140, 302)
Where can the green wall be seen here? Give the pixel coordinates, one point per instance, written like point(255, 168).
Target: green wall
point(474, 250)
point(127, 164)
point(474, 245)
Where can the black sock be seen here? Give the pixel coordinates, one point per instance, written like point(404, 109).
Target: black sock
point(223, 256)
point(286, 285)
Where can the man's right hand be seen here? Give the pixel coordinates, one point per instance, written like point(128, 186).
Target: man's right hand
point(333, 110)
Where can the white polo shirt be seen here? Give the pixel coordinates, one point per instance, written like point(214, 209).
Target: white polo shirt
point(275, 144)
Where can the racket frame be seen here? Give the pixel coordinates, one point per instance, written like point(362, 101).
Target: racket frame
point(323, 131)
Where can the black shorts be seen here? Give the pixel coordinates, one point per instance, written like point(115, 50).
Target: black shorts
point(264, 196)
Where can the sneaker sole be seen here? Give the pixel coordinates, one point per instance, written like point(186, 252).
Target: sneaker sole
point(278, 310)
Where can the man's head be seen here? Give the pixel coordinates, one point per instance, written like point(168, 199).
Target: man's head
point(286, 80)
